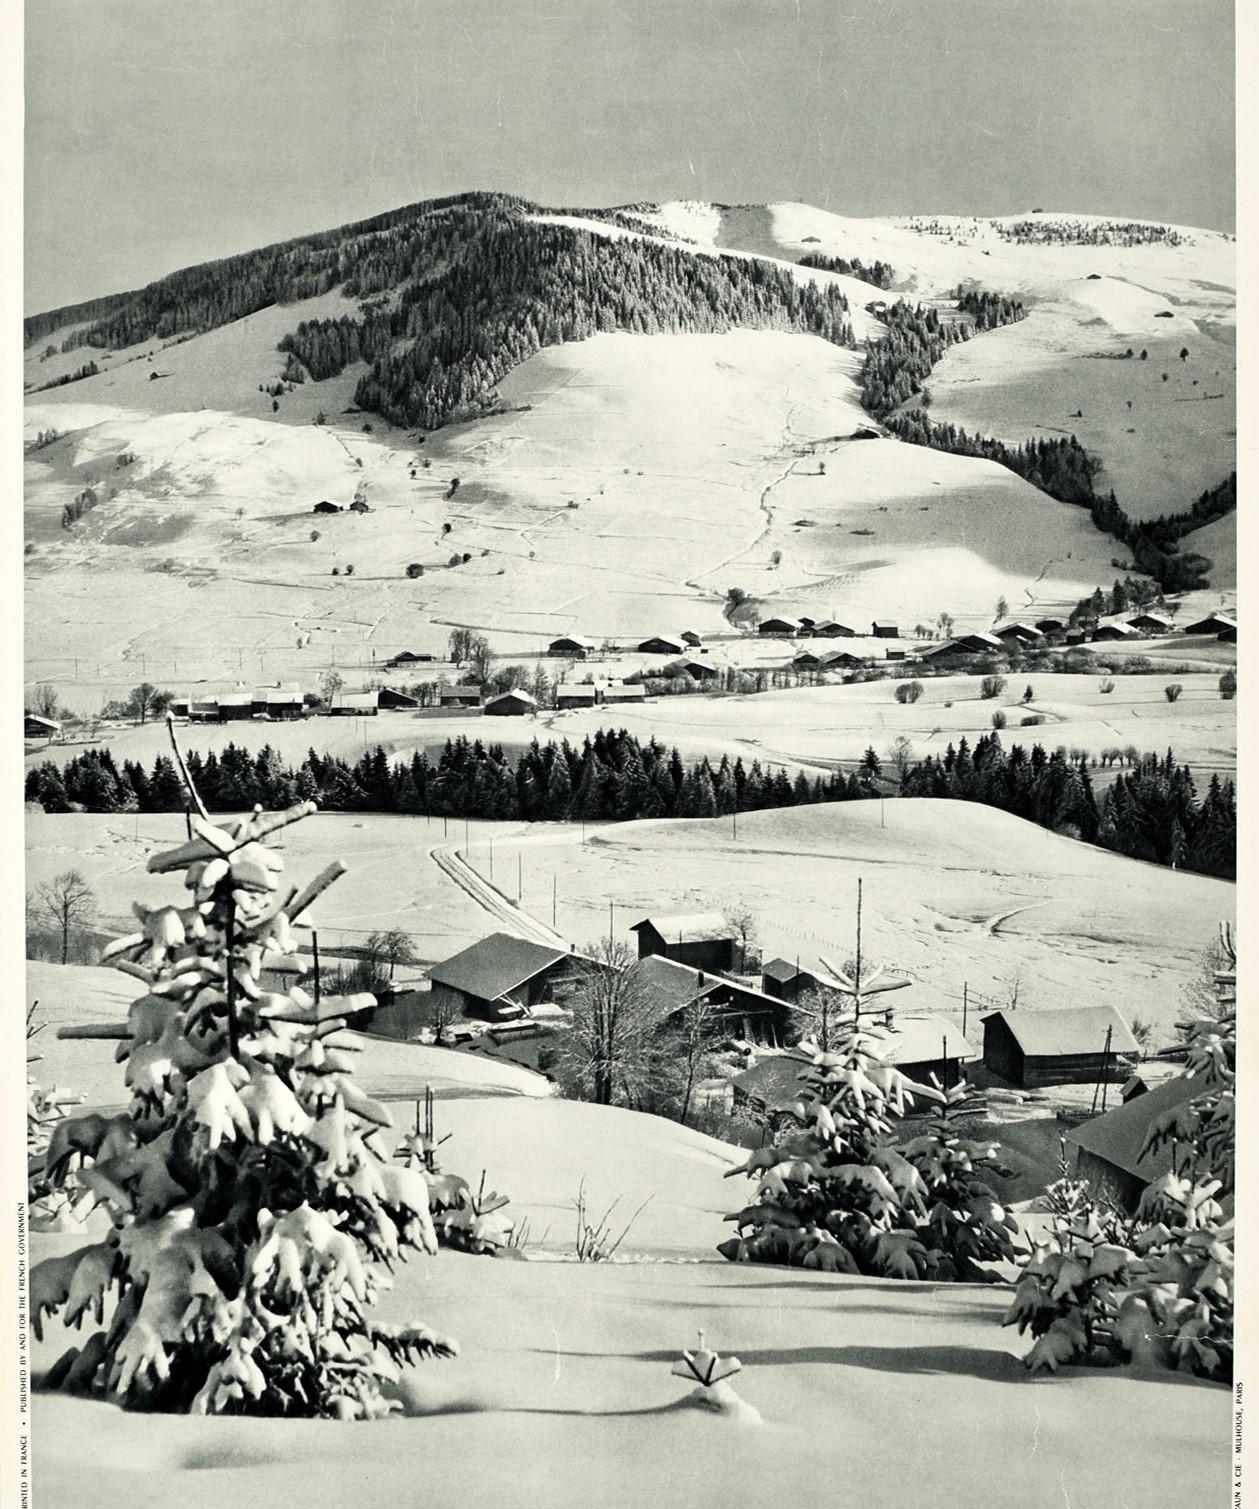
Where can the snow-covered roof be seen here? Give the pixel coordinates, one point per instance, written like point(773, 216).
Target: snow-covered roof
point(493, 966)
point(1067, 1030)
point(1118, 1136)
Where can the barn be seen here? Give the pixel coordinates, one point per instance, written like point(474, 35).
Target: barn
point(323, 506)
point(460, 696)
point(514, 704)
point(690, 637)
point(35, 726)
point(697, 670)
point(388, 697)
point(235, 706)
point(1110, 632)
point(830, 628)
point(574, 696)
point(808, 660)
point(405, 657)
point(621, 691)
point(1019, 633)
point(831, 659)
point(884, 628)
point(353, 705)
point(501, 976)
point(1059, 1047)
point(570, 647)
point(1051, 625)
point(979, 643)
point(278, 703)
point(1213, 623)
point(704, 940)
point(659, 644)
point(777, 626)
point(1108, 1147)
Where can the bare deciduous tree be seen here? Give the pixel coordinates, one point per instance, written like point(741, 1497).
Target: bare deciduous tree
point(68, 903)
point(46, 701)
point(606, 1055)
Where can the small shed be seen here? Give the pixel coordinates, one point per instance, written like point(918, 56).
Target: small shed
point(884, 628)
point(460, 696)
point(570, 647)
point(1213, 623)
point(777, 626)
point(690, 637)
point(660, 644)
point(1150, 623)
point(1108, 1148)
point(704, 940)
point(575, 696)
point(353, 705)
point(513, 704)
point(1074, 636)
point(786, 981)
point(624, 691)
point(1059, 1047)
point(324, 506)
point(388, 697)
point(1109, 632)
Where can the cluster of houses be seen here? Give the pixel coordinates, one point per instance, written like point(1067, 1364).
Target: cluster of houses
point(824, 628)
point(279, 704)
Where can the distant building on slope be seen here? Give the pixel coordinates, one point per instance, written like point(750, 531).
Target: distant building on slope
point(501, 976)
point(1213, 623)
point(574, 696)
point(514, 704)
point(570, 647)
point(1108, 1148)
point(660, 644)
point(705, 940)
point(885, 628)
point(353, 705)
point(777, 626)
point(1150, 623)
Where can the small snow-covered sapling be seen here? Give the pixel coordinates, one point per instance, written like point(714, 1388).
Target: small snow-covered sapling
point(712, 1373)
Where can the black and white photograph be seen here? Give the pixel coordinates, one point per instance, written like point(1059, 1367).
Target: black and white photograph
point(628, 852)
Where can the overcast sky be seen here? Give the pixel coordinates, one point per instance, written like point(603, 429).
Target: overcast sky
point(166, 132)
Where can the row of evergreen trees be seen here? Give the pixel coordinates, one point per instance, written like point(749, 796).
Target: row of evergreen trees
point(989, 310)
point(1088, 233)
point(881, 274)
point(896, 366)
point(1150, 812)
point(1058, 465)
point(1154, 542)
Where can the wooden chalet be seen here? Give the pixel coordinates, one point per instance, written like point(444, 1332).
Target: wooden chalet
point(704, 940)
point(884, 628)
point(1105, 633)
point(777, 626)
point(1150, 623)
point(830, 628)
point(36, 726)
point(1213, 623)
point(501, 977)
point(1228, 636)
point(1069, 1045)
point(660, 644)
point(691, 638)
point(786, 981)
point(235, 707)
point(697, 670)
point(575, 696)
point(388, 697)
point(1019, 633)
point(1051, 625)
point(623, 691)
point(570, 647)
point(280, 704)
point(513, 704)
point(738, 1010)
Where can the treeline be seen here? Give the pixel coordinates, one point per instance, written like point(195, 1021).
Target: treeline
point(1088, 233)
point(896, 366)
point(612, 776)
point(512, 286)
point(1060, 467)
point(88, 369)
point(881, 274)
point(1151, 812)
point(1154, 542)
point(989, 310)
point(1132, 592)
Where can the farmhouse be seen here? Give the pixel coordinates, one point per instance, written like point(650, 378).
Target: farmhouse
point(460, 696)
point(513, 704)
point(833, 658)
point(829, 628)
point(704, 940)
point(34, 726)
point(1114, 631)
point(884, 628)
point(1108, 1148)
point(808, 660)
point(570, 646)
point(979, 643)
point(405, 657)
point(1150, 623)
point(786, 981)
point(204, 710)
point(1019, 633)
point(1213, 623)
point(777, 626)
point(1059, 1047)
point(353, 705)
point(235, 706)
point(389, 698)
point(659, 644)
point(738, 1010)
point(574, 696)
point(502, 976)
point(621, 691)
point(697, 670)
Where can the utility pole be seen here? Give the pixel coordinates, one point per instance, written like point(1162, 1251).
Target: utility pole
point(965, 1003)
point(314, 948)
point(944, 1062)
point(555, 891)
point(520, 882)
